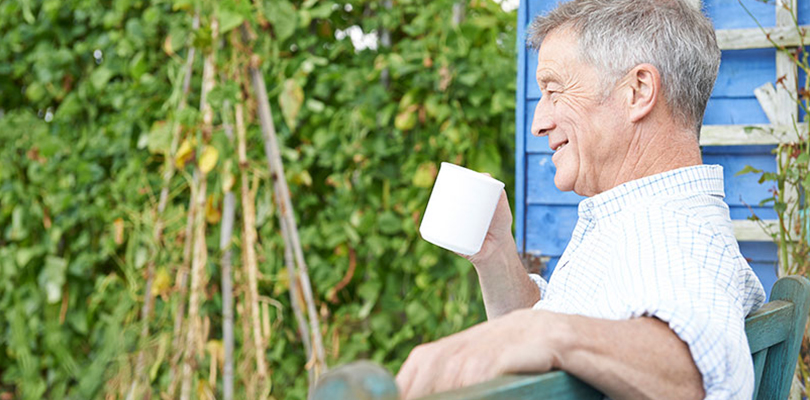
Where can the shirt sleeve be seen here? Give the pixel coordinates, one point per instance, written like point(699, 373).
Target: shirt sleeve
point(682, 271)
point(541, 284)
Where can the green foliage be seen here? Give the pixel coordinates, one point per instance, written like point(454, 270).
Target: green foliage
point(88, 94)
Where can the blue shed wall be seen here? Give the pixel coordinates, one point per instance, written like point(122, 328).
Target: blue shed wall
point(546, 216)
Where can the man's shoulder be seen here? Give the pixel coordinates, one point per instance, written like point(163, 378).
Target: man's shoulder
point(675, 216)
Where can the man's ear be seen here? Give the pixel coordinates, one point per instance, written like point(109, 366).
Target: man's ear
point(644, 89)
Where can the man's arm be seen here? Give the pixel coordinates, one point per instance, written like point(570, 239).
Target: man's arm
point(505, 285)
point(632, 359)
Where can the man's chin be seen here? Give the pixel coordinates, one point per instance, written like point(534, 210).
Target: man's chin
point(563, 184)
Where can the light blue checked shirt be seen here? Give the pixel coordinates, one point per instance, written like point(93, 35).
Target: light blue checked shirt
point(664, 246)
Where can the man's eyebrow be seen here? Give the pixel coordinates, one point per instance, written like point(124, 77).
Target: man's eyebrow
point(545, 76)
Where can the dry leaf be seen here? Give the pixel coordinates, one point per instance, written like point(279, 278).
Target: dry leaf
point(162, 283)
point(167, 45)
point(184, 153)
point(290, 101)
point(118, 224)
point(212, 213)
point(208, 160)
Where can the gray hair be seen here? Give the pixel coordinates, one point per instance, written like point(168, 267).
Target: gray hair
point(617, 35)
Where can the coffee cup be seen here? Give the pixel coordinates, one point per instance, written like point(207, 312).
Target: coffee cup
point(460, 209)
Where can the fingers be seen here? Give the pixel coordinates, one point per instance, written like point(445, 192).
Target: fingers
point(406, 375)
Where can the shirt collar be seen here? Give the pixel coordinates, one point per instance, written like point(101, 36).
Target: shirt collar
point(699, 179)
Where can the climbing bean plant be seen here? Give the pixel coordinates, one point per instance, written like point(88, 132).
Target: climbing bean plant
point(89, 95)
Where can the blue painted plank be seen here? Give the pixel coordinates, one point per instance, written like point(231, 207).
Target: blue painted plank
point(743, 189)
point(759, 251)
point(804, 12)
point(549, 228)
point(743, 212)
point(541, 189)
point(728, 14)
point(550, 266)
point(734, 111)
point(738, 150)
point(532, 89)
point(533, 144)
point(742, 71)
point(520, 142)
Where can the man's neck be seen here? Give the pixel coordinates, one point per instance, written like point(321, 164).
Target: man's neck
point(652, 153)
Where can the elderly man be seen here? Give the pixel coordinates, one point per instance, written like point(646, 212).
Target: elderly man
point(649, 299)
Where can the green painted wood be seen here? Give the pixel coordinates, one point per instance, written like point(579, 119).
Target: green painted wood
point(774, 335)
point(362, 380)
point(781, 361)
point(769, 325)
point(759, 367)
point(556, 385)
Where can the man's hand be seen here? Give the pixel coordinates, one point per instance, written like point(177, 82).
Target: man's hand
point(499, 242)
point(505, 285)
point(479, 354)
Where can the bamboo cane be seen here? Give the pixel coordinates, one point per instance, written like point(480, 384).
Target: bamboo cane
point(248, 248)
point(146, 309)
point(229, 211)
point(200, 257)
point(289, 228)
point(182, 286)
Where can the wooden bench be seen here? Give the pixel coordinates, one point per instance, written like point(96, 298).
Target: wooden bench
point(774, 333)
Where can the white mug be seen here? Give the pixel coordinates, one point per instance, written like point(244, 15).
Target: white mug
point(460, 209)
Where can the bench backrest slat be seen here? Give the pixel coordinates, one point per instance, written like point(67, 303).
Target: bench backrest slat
point(769, 325)
point(780, 361)
point(759, 367)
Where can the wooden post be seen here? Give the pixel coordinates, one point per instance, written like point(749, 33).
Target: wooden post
point(787, 109)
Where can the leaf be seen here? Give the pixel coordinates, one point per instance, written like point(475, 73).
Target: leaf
point(282, 17)
point(162, 283)
point(208, 159)
point(167, 46)
point(24, 254)
point(212, 213)
point(416, 312)
point(406, 120)
point(35, 92)
point(389, 223)
point(159, 138)
point(290, 101)
point(485, 158)
point(315, 106)
point(425, 175)
point(163, 344)
point(215, 349)
point(303, 178)
point(748, 170)
point(100, 77)
point(141, 255)
point(52, 278)
point(184, 153)
point(228, 20)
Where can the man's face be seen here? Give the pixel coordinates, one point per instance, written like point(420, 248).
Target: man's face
point(582, 126)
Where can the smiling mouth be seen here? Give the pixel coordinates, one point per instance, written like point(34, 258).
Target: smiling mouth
point(560, 146)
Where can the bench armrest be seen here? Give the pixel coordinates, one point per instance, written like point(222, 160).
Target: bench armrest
point(367, 381)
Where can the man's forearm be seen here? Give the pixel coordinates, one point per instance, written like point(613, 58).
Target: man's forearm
point(633, 359)
point(506, 286)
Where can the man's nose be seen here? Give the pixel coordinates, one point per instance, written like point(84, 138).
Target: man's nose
point(542, 123)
